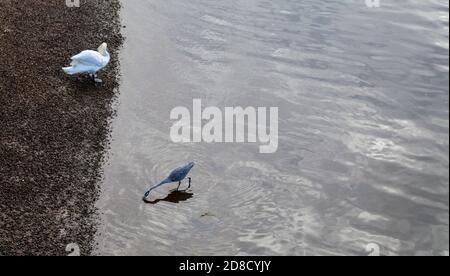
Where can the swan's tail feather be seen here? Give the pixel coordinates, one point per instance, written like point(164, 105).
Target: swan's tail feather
point(69, 70)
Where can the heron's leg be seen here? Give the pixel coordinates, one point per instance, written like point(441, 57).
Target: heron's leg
point(189, 183)
point(179, 184)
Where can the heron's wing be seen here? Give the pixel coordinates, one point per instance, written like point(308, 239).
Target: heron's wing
point(88, 57)
point(178, 174)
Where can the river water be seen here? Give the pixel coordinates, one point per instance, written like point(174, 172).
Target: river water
point(363, 157)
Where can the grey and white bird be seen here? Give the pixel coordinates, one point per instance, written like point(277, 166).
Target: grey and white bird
point(89, 62)
point(177, 175)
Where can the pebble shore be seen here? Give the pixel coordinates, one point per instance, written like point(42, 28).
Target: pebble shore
point(54, 129)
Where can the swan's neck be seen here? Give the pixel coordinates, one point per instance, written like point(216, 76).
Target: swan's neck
point(106, 56)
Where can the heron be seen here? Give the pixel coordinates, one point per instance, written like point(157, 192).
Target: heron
point(176, 175)
point(89, 62)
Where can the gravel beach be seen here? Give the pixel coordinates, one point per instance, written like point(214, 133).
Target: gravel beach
point(53, 128)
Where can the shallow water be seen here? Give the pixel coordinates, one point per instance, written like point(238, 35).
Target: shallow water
point(363, 154)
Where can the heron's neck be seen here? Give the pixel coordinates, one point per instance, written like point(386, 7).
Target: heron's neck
point(154, 187)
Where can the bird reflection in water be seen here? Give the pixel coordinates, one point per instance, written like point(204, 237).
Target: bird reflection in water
point(175, 196)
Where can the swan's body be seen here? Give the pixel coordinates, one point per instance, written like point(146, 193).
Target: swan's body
point(89, 62)
point(177, 175)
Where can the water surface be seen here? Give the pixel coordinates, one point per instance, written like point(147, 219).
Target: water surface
point(364, 140)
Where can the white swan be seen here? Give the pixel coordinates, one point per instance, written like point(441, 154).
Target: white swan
point(89, 62)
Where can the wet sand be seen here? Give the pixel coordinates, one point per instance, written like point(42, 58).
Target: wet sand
point(54, 127)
